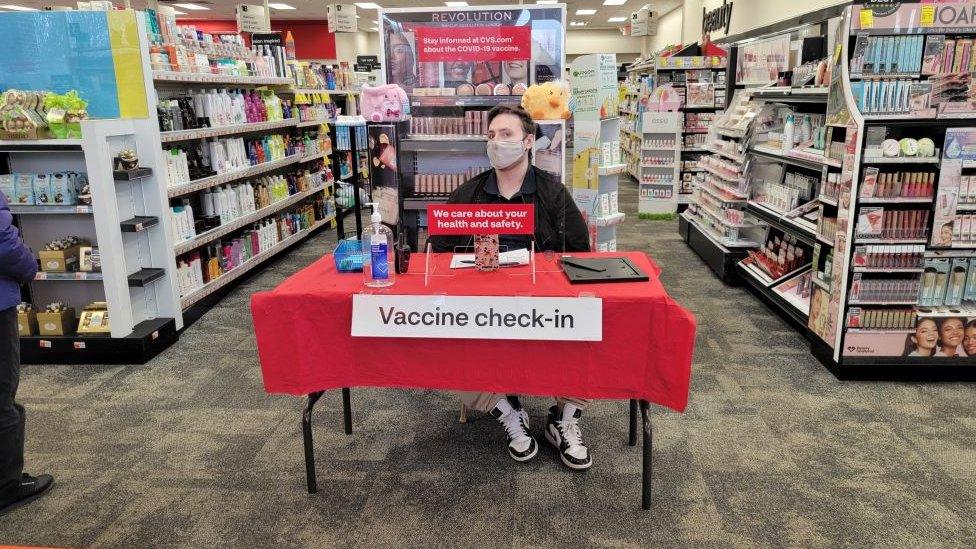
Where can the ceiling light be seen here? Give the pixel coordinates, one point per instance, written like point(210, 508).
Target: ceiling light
point(281, 7)
point(614, 2)
point(12, 7)
point(193, 7)
point(577, 24)
point(616, 20)
point(455, 4)
point(546, 1)
point(368, 5)
point(585, 12)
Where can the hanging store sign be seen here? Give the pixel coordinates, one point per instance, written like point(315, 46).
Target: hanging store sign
point(341, 17)
point(252, 18)
point(717, 19)
point(267, 39)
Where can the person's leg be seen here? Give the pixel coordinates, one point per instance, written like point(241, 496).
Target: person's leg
point(17, 488)
point(11, 414)
point(508, 411)
point(563, 432)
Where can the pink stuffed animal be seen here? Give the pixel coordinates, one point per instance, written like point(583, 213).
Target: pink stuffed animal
point(383, 103)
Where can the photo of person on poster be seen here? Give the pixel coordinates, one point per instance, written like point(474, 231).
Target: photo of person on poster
point(516, 72)
point(401, 68)
point(951, 331)
point(384, 176)
point(458, 73)
point(925, 339)
point(969, 340)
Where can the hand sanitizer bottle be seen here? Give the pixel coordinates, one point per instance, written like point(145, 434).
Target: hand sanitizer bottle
point(378, 258)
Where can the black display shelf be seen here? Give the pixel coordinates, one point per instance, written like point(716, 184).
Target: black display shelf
point(148, 339)
point(129, 175)
point(139, 223)
point(145, 276)
point(720, 259)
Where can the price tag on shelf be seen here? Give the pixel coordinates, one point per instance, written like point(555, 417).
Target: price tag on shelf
point(41, 275)
point(79, 345)
point(44, 344)
point(867, 18)
point(81, 276)
point(82, 209)
point(926, 17)
point(679, 63)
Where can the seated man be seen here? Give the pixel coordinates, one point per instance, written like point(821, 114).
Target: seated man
point(559, 227)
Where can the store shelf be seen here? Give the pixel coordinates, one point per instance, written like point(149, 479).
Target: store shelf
point(308, 123)
point(663, 166)
point(139, 223)
point(822, 284)
point(146, 276)
point(966, 208)
point(829, 200)
point(707, 188)
point(463, 100)
point(612, 169)
point(890, 240)
point(148, 338)
point(720, 218)
point(733, 157)
point(896, 200)
point(607, 220)
point(731, 132)
point(903, 159)
point(823, 240)
point(720, 240)
point(199, 78)
point(203, 133)
point(322, 90)
point(131, 175)
point(792, 95)
point(725, 188)
point(40, 145)
point(722, 176)
point(220, 179)
point(695, 150)
point(226, 228)
point(882, 302)
point(74, 276)
point(780, 221)
point(885, 76)
point(851, 330)
point(419, 203)
point(314, 156)
point(808, 161)
point(229, 276)
point(50, 210)
point(888, 269)
point(694, 130)
point(444, 143)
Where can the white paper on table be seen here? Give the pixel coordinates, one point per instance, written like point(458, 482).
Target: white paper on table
point(506, 259)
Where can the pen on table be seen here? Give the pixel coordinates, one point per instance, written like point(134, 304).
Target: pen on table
point(584, 267)
point(471, 262)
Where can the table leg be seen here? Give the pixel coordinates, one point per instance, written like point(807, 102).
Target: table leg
point(309, 449)
point(347, 410)
point(648, 443)
point(633, 422)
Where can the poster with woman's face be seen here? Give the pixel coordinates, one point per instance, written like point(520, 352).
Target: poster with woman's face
point(384, 172)
point(401, 64)
point(942, 337)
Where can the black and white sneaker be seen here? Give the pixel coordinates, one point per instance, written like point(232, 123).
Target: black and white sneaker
point(564, 433)
point(521, 446)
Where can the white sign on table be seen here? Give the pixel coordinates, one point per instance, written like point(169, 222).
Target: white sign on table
point(478, 317)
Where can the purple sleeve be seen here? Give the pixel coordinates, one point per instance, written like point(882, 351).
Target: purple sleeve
point(16, 260)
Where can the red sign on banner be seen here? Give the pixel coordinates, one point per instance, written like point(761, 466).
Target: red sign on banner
point(453, 219)
point(473, 43)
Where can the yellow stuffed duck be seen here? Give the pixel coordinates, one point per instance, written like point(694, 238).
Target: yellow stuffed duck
point(548, 101)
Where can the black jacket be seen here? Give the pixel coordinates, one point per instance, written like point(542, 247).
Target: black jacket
point(559, 225)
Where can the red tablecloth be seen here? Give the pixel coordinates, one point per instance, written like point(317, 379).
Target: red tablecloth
point(304, 341)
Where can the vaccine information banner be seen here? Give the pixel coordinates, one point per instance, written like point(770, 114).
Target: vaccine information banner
point(478, 317)
point(474, 43)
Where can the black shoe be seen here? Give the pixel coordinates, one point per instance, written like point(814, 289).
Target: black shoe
point(30, 489)
point(564, 433)
point(521, 445)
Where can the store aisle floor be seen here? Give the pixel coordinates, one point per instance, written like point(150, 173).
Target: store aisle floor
point(189, 451)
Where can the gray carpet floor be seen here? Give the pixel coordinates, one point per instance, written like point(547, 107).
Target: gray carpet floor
point(188, 450)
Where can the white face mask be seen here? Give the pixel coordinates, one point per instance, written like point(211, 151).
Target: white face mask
point(503, 154)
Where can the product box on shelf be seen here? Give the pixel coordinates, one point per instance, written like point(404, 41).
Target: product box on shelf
point(26, 323)
point(60, 261)
point(56, 324)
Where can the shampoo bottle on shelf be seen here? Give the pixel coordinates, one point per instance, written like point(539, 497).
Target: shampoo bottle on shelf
point(379, 268)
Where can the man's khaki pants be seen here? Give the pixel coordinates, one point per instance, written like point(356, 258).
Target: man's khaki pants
point(485, 402)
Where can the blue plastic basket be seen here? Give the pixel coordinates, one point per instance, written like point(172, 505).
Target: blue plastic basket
point(348, 256)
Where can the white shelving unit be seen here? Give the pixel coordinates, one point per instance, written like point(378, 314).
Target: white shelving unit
point(659, 181)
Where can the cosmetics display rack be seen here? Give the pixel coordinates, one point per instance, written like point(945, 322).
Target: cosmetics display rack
point(604, 214)
point(716, 224)
point(701, 84)
point(276, 186)
point(659, 163)
point(793, 181)
point(894, 276)
point(127, 220)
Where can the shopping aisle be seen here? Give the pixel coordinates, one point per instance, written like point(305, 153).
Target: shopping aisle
point(189, 451)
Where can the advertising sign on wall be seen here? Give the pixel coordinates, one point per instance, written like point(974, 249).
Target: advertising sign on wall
point(384, 173)
point(472, 51)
